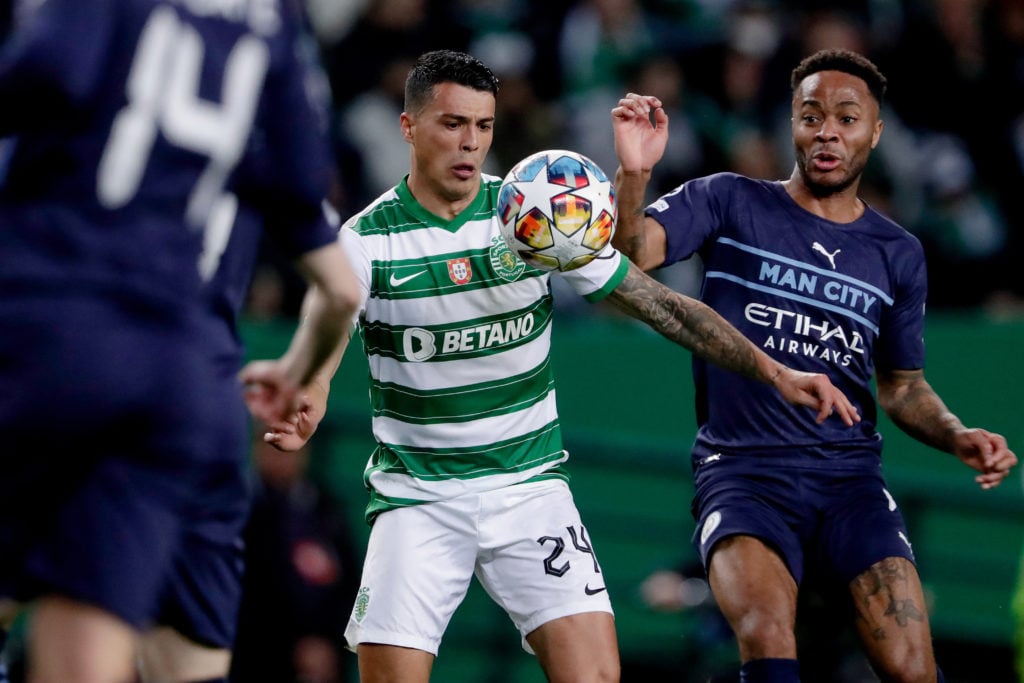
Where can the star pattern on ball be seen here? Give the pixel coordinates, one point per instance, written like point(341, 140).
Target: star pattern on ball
point(565, 248)
point(539, 193)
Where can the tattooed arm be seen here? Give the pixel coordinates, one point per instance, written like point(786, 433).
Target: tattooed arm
point(914, 407)
point(697, 327)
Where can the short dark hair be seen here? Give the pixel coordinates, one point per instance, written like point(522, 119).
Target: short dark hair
point(445, 66)
point(846, 61)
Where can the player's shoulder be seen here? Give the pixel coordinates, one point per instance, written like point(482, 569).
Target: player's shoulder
point(490, 189)
point(886, 227)
point(731, 182)
point(265, 18)
point(379, 216)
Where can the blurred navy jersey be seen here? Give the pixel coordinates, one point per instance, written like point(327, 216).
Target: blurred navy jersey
point(130, 119)
point(132, 125)
point(226, 289)
point(838, 299)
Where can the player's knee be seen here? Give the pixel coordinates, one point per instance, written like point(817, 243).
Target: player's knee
point(913, 665)
point(603, 670)
point(609, 671)
point(163, 654)
point(762, 635)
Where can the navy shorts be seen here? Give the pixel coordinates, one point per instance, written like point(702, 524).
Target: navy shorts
point(113, 438)
point(840, 520)
point(203, 592)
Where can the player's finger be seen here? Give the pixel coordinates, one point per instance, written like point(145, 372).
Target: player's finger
point(998, 453)
point(991, 479)
point(824, 410)
point(847, 411)
point(1001, 461)
point(630, 110)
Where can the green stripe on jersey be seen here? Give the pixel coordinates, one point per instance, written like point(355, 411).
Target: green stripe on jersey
point(380, 503)
point(615, 281)
point(523, 452)
point(437, 275)
point(465, 403)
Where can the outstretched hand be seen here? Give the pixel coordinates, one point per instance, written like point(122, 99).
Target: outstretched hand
point(985, 452)
point(639, 141)
point(816, 391)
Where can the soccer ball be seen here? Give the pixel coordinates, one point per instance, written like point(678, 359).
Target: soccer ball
point(557, 210)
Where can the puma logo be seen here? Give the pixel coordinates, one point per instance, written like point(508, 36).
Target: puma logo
point(821, 250)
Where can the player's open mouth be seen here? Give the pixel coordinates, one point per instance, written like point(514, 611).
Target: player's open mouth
point(825, 161)
point(464, 171)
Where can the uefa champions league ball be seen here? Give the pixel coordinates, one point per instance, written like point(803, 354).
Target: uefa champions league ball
point(557, 210)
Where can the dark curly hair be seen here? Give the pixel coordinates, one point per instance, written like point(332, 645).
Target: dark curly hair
point(846, 61)
point(445, 66)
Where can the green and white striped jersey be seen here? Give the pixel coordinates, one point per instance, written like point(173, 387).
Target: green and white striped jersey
point(457, 333)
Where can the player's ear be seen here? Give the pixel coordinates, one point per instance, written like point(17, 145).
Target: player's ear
point(406, 122)
point(879, 124)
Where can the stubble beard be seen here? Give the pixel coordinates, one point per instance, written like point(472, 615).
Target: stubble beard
point(824, 190)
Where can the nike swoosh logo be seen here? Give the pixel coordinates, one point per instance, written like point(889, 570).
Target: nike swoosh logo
point(593, 591)
point(399, 281)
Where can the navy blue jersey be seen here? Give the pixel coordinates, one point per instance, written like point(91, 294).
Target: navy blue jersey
point(240, 228)
point(132, 119)
point(132, 126)
point(838, 299)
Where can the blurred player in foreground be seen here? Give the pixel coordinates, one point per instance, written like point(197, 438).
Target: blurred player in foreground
point(468, 476)
point(822, 281)
point(119, 421)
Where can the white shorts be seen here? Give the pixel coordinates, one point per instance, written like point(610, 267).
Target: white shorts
point(525, 544)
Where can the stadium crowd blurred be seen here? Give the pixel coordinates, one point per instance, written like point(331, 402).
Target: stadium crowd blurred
point(949, 170)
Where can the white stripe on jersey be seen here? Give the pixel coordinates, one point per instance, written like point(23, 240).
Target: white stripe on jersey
point(481, 432)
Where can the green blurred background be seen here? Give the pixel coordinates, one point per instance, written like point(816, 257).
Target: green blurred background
point(625, 396)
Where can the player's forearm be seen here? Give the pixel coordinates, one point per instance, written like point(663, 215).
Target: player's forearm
point(691, 324)
point(913, 406)
point(326, 369)
point(327, 311)
point(630, 235)
point(314, 345)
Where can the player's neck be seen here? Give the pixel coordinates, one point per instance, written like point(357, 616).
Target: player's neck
point(840, 207)
point(437, 201)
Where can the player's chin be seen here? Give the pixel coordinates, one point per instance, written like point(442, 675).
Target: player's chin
point(460, 186)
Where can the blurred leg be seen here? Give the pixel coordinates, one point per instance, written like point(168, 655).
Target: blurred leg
point(166, 656)
point(71, 642)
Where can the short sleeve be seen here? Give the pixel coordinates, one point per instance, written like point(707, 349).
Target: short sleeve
point(596, 280)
